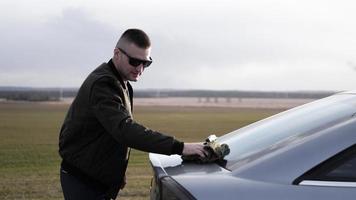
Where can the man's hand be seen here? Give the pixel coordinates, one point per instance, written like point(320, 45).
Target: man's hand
point(194, 149)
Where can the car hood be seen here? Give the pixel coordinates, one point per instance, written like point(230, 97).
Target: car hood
point(209, 181)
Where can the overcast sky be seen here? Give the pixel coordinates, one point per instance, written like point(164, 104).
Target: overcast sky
point(197, 44)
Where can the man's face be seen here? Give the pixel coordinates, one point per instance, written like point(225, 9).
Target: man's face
point(122, 58)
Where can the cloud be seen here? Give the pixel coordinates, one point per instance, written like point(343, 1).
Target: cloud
point(225, 37)
point(219, 44)
point(70, 44)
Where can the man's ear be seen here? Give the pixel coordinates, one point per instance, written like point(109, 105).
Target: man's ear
point(116, 52)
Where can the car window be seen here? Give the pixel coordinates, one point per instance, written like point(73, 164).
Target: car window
point(345, 172)
point(341, 167)
point(337, 169)
point(268, 135)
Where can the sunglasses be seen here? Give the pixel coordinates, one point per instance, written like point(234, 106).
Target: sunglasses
point(136, 62)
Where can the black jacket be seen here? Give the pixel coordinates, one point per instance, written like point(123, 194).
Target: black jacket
point(98, 129)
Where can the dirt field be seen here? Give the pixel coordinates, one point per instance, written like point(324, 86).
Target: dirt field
point(214, 102)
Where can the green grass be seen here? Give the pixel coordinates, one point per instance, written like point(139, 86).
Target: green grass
point(29, 161)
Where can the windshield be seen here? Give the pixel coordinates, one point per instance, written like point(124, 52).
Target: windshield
point(260, 138)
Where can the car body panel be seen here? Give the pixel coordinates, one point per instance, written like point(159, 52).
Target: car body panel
point(230, 187)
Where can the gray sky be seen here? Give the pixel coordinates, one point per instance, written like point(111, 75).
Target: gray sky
point(197, 44)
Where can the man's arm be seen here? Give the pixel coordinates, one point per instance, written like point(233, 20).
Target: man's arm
point(109, 109)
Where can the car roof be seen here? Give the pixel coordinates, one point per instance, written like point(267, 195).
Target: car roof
point(353, 92)
point(290, 162)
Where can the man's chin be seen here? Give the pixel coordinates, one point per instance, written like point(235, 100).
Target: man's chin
point(134, 79)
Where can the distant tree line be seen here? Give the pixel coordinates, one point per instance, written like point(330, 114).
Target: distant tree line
point(30, 95)
point(56, 94)
point(233, 94)
point(35, 94)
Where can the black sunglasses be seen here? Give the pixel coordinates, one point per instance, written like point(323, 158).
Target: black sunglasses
point(136, 62)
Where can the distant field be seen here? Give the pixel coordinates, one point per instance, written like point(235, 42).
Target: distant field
point(29, 162)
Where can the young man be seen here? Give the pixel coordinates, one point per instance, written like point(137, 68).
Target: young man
point(99, 129)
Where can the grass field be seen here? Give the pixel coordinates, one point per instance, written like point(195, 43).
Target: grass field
point(29, 162)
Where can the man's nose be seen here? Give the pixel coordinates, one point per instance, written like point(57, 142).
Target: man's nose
point(140, 67)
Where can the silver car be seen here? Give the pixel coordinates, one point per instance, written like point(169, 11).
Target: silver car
point(308, 152)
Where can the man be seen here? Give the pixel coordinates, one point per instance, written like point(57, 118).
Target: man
point(99, 129)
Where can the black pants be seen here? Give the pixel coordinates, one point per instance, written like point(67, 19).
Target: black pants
point(75, 189)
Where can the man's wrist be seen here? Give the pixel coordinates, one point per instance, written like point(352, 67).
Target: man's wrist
point(177, 147)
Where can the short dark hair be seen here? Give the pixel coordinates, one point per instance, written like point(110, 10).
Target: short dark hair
point(136, 36)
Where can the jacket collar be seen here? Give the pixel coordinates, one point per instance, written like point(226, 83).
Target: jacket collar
point(125, 86)
point(116, 73)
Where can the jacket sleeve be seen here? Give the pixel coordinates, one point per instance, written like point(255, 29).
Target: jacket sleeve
point(109, 109)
